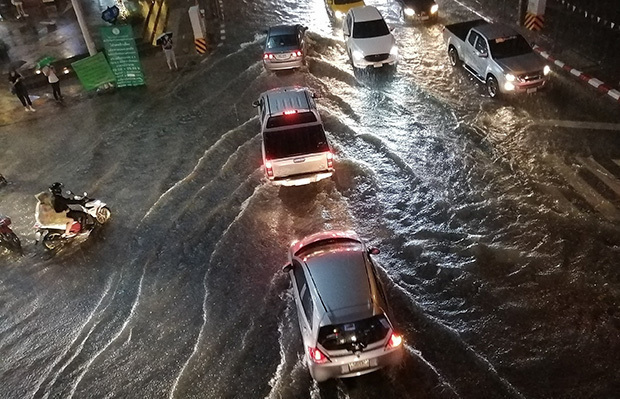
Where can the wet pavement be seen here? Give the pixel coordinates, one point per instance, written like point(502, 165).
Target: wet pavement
point(497, 223)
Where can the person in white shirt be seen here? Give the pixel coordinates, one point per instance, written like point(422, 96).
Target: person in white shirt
point(52, 78)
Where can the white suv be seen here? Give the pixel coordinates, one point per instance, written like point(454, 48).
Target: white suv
point(368, 39)
point(295, 148)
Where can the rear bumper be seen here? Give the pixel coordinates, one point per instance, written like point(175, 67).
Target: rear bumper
point(301, 180)
point(282, 65)
point(340, 367)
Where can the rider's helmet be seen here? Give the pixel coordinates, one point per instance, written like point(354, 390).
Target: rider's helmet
point(56, 188)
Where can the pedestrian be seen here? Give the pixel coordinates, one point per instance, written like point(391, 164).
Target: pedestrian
point(19, 89)
point(19, 6)
point(53, 80)
point(167, 45)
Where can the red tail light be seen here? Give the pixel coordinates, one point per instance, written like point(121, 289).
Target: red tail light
point(291, 112)
point(395, 341)
point(317, 356)
point(330, 160)
point(268, 56)
point(269, 168)
point(297, 53)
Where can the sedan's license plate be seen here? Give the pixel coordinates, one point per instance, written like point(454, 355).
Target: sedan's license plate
point(282, 56)
point(532, 90)
point(362, 364)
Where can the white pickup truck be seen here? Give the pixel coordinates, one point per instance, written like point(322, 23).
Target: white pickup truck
point(295, 148)
point(497, 56)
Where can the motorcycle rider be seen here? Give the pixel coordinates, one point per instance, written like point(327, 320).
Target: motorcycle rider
point(61, 204)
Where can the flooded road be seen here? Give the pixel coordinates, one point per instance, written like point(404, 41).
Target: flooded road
point(499, 239)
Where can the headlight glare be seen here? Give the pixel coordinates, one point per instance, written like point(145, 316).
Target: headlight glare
point(358, 55)
point(339, 14)
point(509, 86)
point(510, 77)
point(434, 8)
point(409, 12)
point(394, 50)
point(546, 70)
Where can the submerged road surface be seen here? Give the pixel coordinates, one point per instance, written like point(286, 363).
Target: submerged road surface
point(498, 229)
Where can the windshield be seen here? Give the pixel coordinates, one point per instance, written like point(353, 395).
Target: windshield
point(366, 29)
point(346, 1)
point(282, 41)
point(356, 335)
point(509, 47)
point(294, 142)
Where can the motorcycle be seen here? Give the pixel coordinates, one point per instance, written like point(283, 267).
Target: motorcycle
point(8, 239)
point(94, 213)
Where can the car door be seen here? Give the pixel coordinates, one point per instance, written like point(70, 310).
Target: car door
point(347, 31)
point(479, 55)
point(303, 299)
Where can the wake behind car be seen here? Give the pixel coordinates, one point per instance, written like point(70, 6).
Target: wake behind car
point(423, 10)
point(497, 56)
point(368, 39)
point(341, 307)
point(339, 8)
point(284, 47)
point(294, 146)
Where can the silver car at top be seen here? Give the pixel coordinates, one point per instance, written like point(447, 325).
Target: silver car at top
point(341, 307)
point(285, 47)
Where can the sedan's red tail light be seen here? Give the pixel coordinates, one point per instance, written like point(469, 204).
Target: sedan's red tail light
point(317, 356)
point(395, 341)
point(269, 168)
point(297, 53)
point(330, 160)
point(268, 56)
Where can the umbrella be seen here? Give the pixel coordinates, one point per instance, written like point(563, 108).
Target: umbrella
point(160, 37)
point(45, 61)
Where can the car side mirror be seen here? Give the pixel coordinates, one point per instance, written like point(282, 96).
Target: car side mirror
point(287, 268)
point(265, 32)
point(391, 29)
point(315, 95)
point(374, 251)
point(256, 103)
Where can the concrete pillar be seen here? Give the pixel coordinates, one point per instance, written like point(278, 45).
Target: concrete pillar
point(90, 44)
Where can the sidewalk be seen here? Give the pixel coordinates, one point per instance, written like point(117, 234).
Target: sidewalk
point(33, 37)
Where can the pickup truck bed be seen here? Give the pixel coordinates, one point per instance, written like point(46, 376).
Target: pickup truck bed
point(461, 29)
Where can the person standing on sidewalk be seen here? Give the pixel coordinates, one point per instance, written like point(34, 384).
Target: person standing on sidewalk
point(167, 45)
point(52, 78)
point(19, 89)
point(19, 6)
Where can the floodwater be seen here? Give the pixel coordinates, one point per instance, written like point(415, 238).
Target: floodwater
point(499, 246)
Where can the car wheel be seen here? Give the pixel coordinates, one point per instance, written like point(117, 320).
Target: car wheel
point(492, 87)
point(455, 61)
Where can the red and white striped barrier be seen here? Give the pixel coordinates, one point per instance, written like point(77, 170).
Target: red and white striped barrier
point(597, 84)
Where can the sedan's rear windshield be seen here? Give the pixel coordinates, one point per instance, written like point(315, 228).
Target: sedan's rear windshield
point(354, 336)
point(294, 142)
point(509, 47)
point(290, 119)
point(282, 41)
point(366, 29)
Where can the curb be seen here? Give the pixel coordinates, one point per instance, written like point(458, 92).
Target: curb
point(592, 81)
